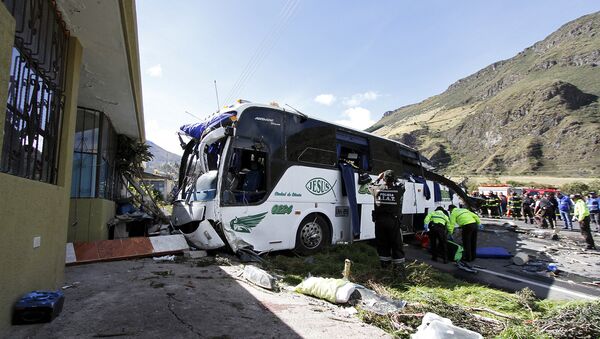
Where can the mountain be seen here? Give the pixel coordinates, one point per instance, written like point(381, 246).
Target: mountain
point(163, 161)
point(536, 113)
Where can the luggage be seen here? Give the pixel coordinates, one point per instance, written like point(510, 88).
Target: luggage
point(38, 307)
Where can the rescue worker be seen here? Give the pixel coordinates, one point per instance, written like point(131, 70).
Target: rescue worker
point(437, 223)
point(545, 211)
point(582, 215)
point(593, 204)
point(528, 208)
point(469, 223)
point(564, 207)
point(515, 203)
point(388, 196)
point(493, 205)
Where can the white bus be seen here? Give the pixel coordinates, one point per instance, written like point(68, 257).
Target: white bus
point(265, 178)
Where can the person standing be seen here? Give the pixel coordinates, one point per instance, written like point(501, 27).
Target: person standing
point(528, 208)
point(387, 215)
point(564, 207)
point(593, 205)
point(503, 204)
point(545, 210)
point(469, 224)
point(436, 223)
point(582, 215)
point(515, 204)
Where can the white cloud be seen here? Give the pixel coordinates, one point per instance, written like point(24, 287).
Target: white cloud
point(155, 71)
point(163, 137)
point(359, 98)
point(325, 99)
point(357, 118)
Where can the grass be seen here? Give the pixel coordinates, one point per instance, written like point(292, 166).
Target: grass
point(517, 315)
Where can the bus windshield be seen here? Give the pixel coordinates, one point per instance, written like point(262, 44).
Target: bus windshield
point(206, 186)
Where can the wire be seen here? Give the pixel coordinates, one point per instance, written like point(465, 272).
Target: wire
point(263, 49)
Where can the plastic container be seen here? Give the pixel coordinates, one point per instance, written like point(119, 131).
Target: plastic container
point(552, 267)
point(38, 307)
point(520, 259)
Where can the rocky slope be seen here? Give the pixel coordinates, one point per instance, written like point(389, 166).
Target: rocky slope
point(536, 113)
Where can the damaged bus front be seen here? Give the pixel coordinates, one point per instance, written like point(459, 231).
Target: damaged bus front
point(265, 178)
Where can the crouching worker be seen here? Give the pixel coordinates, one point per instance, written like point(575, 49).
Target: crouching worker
point(436, 223)
point(469, 224)
point(387, 215)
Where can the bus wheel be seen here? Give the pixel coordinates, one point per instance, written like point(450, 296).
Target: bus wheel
point(313, 234)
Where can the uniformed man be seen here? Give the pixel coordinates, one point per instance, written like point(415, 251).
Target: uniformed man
point(582, 215)
point(387, 215)
point(469, 224)
point(437, 223)
point(515, 204)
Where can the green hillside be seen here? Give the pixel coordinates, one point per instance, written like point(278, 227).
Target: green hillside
point(536, 113)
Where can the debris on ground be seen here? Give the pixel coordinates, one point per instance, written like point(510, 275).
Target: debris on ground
point(336, 291)
point(434, 326)
point(378, 304)
point(72, 285)
point(164, 258)
point(195, 254)
point(259, 277)
point(520, 258)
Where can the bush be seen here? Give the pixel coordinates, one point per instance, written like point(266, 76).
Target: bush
point(575, 188)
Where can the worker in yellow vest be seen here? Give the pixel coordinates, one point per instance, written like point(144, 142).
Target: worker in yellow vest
point(469, 224)
point(437, 224)
point(582, 214)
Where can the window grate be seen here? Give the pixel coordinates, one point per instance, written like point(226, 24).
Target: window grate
point(35, 102)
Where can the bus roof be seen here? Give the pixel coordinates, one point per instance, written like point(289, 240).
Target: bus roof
point(240, 107)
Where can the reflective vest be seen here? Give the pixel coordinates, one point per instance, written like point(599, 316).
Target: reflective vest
point(437, 217)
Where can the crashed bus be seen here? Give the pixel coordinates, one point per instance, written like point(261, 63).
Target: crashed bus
point(264, 178)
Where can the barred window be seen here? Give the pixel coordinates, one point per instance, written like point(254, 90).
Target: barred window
point(35, 102)
point(94, 172)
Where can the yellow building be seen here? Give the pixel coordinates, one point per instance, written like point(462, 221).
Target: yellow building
point(70, 78)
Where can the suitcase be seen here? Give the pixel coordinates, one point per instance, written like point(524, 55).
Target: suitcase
point(38, 307)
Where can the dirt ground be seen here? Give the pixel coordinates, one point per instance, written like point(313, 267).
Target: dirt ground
point(187, 299)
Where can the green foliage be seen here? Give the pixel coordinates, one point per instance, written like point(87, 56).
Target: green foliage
point(576, 187)
point(429, 290)
point(131, 154)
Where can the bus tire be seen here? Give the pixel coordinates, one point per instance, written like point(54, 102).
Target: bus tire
point(313, 234)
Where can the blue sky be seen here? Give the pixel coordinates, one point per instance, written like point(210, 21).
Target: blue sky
point(342, 61)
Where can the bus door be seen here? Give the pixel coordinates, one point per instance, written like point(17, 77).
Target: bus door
point(353, 152)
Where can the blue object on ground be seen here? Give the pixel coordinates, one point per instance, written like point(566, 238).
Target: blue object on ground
point(38, 307)
point(493, 252)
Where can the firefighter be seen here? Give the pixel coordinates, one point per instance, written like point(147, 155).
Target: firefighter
point(582, 214)
point(469, 224)
point(437, 223)
point(387, 216)
point(528, 204)
point(492, 203)
point(515, 204)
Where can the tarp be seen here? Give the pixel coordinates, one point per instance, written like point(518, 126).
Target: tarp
point(492, 252)
point(437, 192)
point(348, 181)
point(195, 130)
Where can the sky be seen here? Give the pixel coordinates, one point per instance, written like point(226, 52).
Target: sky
point(344, 61)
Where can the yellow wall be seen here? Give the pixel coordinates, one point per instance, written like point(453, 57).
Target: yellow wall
point(29, 208)
point(7, 38)
point(88, 218)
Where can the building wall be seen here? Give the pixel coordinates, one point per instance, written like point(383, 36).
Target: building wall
point(31, 209)
point(88, 219)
